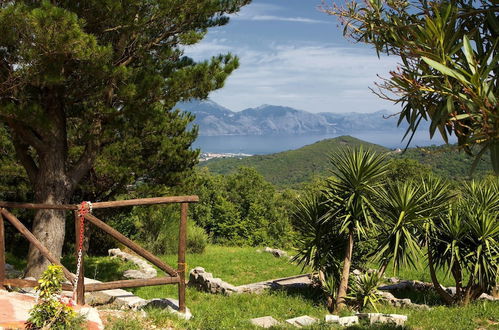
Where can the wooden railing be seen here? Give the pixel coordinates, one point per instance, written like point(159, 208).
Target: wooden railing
point(176, 276)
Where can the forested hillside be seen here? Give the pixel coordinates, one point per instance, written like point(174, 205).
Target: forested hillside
point(293, 167)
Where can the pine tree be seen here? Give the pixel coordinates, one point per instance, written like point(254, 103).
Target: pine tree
point(87, 88)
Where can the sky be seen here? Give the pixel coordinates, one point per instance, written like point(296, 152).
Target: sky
point(292, 54)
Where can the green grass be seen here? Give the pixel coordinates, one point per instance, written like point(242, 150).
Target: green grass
point(481, 314)
point(238, 265)
point(16, 262)
point(100, 268)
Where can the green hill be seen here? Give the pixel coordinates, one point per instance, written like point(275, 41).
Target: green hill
point(293, 167)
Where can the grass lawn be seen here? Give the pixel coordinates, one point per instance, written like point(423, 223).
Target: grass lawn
point(242, 265)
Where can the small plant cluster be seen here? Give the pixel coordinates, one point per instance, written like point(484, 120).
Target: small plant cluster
point(51, 312)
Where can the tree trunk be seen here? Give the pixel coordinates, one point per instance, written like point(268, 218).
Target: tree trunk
point(436, 284)
point(52, 186)
point(345, 274)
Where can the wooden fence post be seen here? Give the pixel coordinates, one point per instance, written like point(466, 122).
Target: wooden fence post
point(182, 267)
point(80, 289)
point(2, 252)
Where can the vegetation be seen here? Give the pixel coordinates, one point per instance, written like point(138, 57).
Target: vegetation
point(461, 235)
point(291, 169)
point(87, 92)
point(243, 265)
point(449, 60)
point(51, 312)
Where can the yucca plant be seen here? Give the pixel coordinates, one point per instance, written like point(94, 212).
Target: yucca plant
point(319, 245)
point(357, 176)
point(458, 235)
point(466, 241)
point(364, 290)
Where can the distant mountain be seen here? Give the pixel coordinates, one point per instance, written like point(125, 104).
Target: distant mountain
point(291, 168)
point(214, 119)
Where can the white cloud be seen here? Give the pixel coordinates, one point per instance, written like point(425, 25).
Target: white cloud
point(284, 19)
point(311, 77)
point(262, 12)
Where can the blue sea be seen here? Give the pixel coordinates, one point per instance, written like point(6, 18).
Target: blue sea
point(267, 144)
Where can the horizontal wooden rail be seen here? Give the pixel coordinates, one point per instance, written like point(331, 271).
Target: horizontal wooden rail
point(132, 245)
point(146, 201)
point(18, 283)
point(32, 239)
point(38, 206)
point(131, 283)
point(102, 205)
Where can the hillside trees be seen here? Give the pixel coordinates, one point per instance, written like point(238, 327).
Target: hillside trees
point(448, 74)
point(242, 208)
point(87, 86)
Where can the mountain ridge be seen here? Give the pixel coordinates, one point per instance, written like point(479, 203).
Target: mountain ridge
point(216, 120)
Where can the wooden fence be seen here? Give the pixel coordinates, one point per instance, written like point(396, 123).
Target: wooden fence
point(175, 276)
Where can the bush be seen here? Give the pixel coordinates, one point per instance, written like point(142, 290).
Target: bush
point(197, 239)
point(242, 209)
point(51, 312)
point(158, 226)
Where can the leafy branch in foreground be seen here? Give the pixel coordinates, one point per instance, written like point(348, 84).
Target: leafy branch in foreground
point(448, 74)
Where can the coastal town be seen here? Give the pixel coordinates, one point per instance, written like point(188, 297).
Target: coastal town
point(210, 155)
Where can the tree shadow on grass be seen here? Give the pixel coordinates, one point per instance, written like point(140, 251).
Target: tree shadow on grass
point(310, 293)
point(428, 297)
point(100, 268)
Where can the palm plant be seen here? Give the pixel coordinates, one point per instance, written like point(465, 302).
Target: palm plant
point(402, 205)
point(364, 290)
point(466, 240)
point(318, 246)
point(358, 174)
point(459, 235)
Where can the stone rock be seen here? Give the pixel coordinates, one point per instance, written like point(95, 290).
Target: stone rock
point(302, 321)
point(332, 318)
point(356, 272)
point(265, 322)
point(276, 252)
point(145, 269)
point(169, 304)
point(137, 274)
point(402, 285)
point(394, 280)
point(348, 320)
point(98, 298)
point(485, 296)
point(92, 316)
point(201, 280)
point(394, 319)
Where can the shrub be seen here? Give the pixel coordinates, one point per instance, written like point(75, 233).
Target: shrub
point(197, 239)
point(51, 312)
point(364, 290)
point(158, 226)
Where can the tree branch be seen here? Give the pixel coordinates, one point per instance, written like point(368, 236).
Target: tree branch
point(22, 152)
point(87, 158)
point(27, 135)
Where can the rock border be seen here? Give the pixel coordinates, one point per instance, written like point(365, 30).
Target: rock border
point(145, 271)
